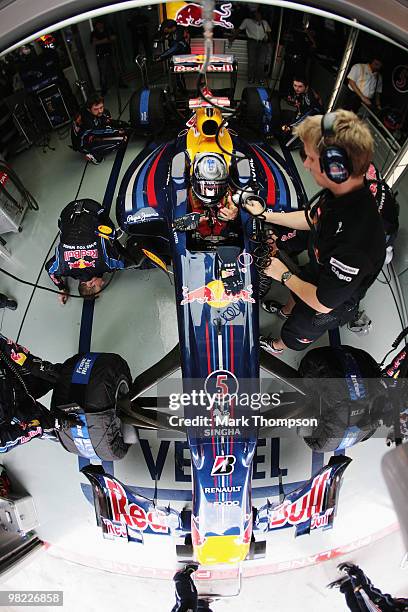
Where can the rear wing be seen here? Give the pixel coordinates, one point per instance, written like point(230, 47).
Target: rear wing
point(193, 63)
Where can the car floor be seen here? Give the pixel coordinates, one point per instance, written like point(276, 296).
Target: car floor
point(136, 317)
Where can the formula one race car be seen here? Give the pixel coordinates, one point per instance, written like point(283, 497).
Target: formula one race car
point(172, 200)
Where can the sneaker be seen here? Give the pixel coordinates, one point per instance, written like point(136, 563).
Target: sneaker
point(93, 159)
point(266, 343)
point(274, 308)
point(11, 304)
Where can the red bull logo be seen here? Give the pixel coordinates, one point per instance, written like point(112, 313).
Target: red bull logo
point(80, 254)
point(400, 78)
point(321, 520)
point(191, 15)
point(307, 506)
point(117, 530)
point(215, 295)
point(18, 357)
point(131, 513)
point(33, 433)
point(81, 264)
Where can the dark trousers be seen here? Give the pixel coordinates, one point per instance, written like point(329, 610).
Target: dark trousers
point(352, 101)
point(305, 325)
point(99, 146)
point(256, 59)
point(107, 71)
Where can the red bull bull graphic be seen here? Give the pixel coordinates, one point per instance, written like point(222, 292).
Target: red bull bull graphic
point(81, 264)
point(215, 295)
point(18, 357)
point(190, 15)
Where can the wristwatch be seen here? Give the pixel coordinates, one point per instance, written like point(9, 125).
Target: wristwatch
point(285, 277)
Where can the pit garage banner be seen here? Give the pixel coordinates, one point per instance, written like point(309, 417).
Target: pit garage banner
point(190, 14)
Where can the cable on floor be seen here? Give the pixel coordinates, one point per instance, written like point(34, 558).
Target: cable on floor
point(43, 264)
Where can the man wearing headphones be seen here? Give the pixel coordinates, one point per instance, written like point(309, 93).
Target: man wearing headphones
point(346, 239)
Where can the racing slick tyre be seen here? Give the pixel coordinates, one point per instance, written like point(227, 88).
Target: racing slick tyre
point(344, 386)
point(94, 382)
point(260, 110)
point(147, 110)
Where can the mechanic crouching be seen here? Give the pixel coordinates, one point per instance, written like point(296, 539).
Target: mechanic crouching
point(94, 132)
point(23, 379)
point(90, 391)
point(343, 229)
point(306, 101)
point(87, 249)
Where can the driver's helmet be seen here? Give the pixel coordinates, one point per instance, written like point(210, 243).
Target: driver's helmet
point(209, 178)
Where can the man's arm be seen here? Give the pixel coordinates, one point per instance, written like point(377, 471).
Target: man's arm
point(307, 293)
point(237, 31)
point(304, 290)
point(294, 220)
point(52, 268)
point(358, 91)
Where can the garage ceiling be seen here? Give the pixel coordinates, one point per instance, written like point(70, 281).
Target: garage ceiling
point(22, 18)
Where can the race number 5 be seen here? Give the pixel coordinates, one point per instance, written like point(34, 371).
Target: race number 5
point(221, 384)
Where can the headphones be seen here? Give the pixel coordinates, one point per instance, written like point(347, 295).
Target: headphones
point(334, 161)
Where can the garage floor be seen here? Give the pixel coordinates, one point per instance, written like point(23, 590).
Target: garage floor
point(136, 318)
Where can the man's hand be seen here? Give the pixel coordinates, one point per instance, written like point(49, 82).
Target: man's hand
point(63, 297)
point(275, 269)
point(366, 100)
point(254, 207)
point(228, 212)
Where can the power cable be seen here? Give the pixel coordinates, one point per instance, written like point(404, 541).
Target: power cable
point(32, 203)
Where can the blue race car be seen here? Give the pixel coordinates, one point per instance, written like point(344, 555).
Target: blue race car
point(217, 267)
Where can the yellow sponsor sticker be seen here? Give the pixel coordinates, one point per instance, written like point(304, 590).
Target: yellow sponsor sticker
point(155, 259)
point(104, 229)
